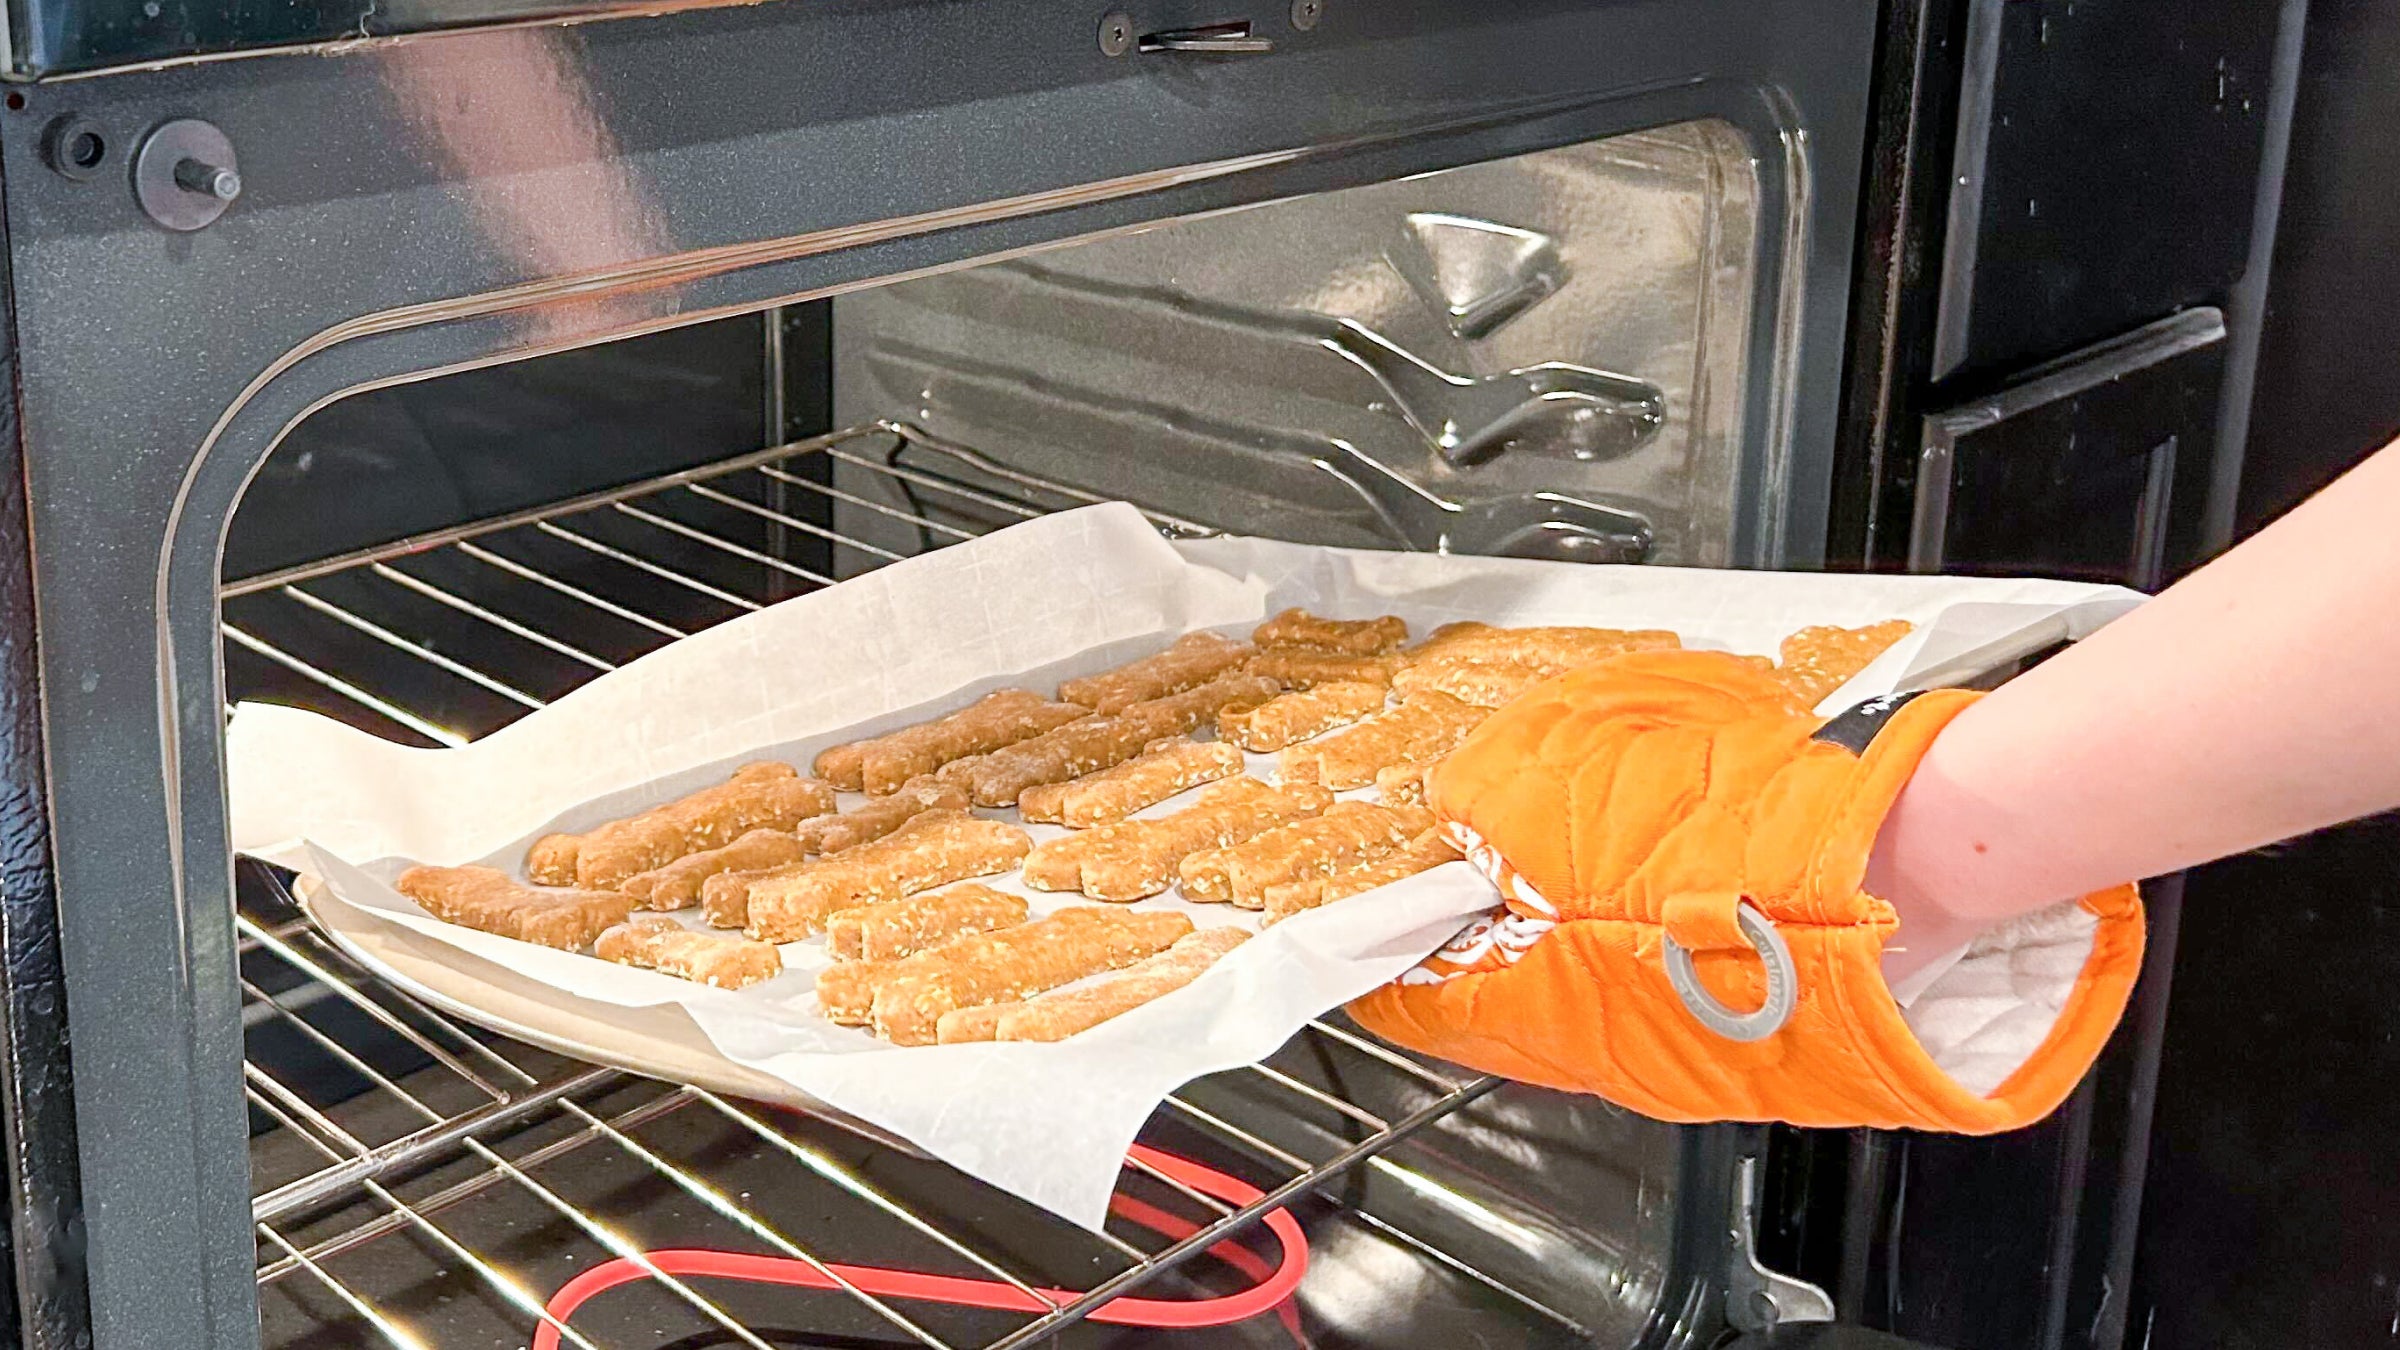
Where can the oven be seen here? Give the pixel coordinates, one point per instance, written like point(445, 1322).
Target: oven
point(418, 364)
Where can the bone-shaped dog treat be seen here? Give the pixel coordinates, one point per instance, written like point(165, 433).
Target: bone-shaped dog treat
point(1565, 645)
point(1162, 770)
point(659, 943)
point(1488, 666)
point(1025, 959)
point(876, 818)
point(1137, 858)
point(491, 901)
point(765, 795)
point(1071, 751)
point(883, 763)
point(932, 849)
point(551, 860)
point(846, 989)
point(890, 929)
point(1013, 963)
point(677, 885)
point(726, 897)
point(1306, 667)
point(1423, 853)
point(1288, 719)
point(1352, 637)
point(1423, 728)
point(1063, 1012)
point(1347, 834)
point(1194, 659)
point(1819, 660)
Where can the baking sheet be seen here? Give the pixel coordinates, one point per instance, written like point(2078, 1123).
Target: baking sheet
point(1055, 597)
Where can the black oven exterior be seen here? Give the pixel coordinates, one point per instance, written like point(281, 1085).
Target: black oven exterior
point(133, 437)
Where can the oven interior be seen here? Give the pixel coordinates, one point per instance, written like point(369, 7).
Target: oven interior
point(1551, 355)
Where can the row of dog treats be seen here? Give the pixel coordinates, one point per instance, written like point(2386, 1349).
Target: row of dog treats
point(1275, 848)
point(967, 964)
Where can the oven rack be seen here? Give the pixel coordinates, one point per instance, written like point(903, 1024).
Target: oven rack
point(378, 1119)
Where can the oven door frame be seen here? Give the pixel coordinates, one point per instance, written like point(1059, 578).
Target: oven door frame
point(155, 371)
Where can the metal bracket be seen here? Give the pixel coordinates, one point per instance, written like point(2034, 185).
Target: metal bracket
point(1118, 35)
point(1756, 1298)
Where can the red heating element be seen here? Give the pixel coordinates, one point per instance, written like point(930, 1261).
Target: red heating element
point(1274, 1286)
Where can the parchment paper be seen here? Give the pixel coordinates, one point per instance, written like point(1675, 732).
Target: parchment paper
point(1055, 597)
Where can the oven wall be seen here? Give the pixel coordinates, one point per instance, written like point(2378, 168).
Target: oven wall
point(1327, 369)
point(394, 462)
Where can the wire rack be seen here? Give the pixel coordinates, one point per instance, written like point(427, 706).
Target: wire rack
point(427, 1183)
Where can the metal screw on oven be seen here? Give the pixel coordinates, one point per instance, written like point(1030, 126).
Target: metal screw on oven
point(1306, 13)
point(1116, 33)
point(207, 179)
point(185, 174)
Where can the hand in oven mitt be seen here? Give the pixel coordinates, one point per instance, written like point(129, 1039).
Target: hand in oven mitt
point(1674, 817)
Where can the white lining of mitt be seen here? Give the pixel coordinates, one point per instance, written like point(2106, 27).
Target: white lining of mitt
point(1984, 1016)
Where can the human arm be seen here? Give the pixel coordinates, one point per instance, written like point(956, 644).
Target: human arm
point(2255, 700)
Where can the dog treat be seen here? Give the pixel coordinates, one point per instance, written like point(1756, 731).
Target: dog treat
point(551, 860)
point(1817, 661)
point(491, 901)
point(1195, 659)
point(1556, 642)
point(1163, 769)
point(1061, 1013)
point(1136, 858)
point(1563, 645)
point(1486, 684)
point(677, 885)
point(725, 897)
point(1306, 667)
point(1349, 833)
point(846, 989)
point(765, 795)
point(1421, 854)
point(1401, 784)
point(1025, 959)
point(878, 817)
point(1097, 743)
point(1489, 666)
point(1013, 963)
point(1423, 728)
point(932, 849)
point(884, 763)
point(979, 1023)
point(890, 929)
point(661, 944)
point(1288, 719)
point(1352, 637)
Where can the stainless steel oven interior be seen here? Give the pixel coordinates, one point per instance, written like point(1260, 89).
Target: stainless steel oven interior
point(1575, 306)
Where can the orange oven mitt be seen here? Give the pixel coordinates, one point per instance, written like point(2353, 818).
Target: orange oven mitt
point(1679, 848)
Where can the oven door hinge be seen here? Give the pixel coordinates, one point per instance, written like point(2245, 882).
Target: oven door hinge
point(1756, 1298)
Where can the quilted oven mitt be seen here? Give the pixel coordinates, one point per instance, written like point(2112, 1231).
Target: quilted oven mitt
point(1673, 818)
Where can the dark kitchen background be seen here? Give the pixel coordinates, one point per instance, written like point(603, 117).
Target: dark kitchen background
point(2273, 1205)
